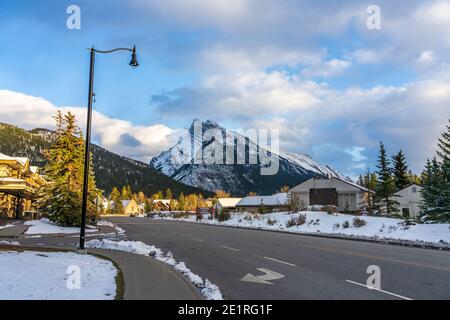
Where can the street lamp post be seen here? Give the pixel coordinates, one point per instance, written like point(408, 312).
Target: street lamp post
point(134, 64)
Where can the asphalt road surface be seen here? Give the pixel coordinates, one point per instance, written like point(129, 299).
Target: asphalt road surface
point(252, 264)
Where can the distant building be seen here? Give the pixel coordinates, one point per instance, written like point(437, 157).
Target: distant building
point(254, 204)
point(130, 207)
point(345, 195)
point(161, 205)
point(226, 203)
point(19, 183)
point(409, 199)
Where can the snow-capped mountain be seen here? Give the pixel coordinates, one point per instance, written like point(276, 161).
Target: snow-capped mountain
point(186, 162)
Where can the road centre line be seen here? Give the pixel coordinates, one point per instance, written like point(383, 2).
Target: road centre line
point(229, 248)
point(276, 260)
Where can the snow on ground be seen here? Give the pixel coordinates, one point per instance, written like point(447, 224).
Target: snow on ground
point(324, 223)
point(6, 226)
point(112, 225)
point(208, 290)
point(50, 276)
point(45, 226)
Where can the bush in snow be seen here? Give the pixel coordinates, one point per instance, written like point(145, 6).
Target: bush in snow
point(336, 226)
point(300, 220)
point(248, 218)
point(330, 209)
point(346, 224)
point(271, 222)
point(224, 215)
point(357, 222)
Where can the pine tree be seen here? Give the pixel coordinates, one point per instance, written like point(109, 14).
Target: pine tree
point(386, 184)
point(434, 203)
point(61, 198)
point(116, 199)
point(436, 184)
point(169, 194)
point(400, 171)
point(444, 145)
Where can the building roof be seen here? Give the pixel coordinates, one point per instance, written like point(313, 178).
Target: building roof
point(21, 160)
point(273, 200)
point(228, 202)
point(355, 185)
point(409, 186)
point(163, 201)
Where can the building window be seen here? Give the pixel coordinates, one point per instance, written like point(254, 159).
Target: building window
point(405, 213)
point(414, 189)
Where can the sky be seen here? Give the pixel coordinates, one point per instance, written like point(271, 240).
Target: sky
point(314, 70)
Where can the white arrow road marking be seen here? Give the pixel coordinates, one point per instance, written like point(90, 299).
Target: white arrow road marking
point(265, 278)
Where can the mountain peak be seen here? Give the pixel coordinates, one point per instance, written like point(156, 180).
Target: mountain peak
point(238, 179)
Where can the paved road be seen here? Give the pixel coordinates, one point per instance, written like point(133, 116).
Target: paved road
point(310, 267)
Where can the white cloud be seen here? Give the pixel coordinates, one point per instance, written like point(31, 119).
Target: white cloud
point(327, 69)
point(119, 136)
point(426, 57)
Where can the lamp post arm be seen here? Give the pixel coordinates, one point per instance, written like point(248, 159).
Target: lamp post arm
point(113, 50)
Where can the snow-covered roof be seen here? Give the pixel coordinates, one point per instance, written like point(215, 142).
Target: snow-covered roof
point(276, 199)
point(228, 202)
point(163, 201)
point(21, 160)
point(34, 169)
point(125, 203)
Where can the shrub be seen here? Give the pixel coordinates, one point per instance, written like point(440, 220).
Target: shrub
point(346, 224)
point(300, 220)
point(357, 222)
point(224, 215)
point(330, 209)
point(271, 222)
point(336, 226)
point(248, 218)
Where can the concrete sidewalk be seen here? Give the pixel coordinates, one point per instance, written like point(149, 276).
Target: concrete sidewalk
point(13, 232)
point(148, 279)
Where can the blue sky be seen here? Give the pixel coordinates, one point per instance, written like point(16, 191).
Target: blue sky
point(314, 70)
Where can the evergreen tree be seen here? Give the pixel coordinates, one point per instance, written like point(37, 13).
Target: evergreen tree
point(400, 171)
point(434, 203)
point(436, 184)
point(116, 199)
point(169, 194)
point(444, 145)
point(61, 199)
point(148, 207)
point(386, 184)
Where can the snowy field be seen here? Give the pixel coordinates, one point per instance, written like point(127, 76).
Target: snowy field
point(45, 226)
point(340, 224)
point(32, 275)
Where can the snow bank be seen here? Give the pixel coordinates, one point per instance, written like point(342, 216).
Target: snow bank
point(45, 226)
point(324, 223)
point(208, 290)
point(119, 230)
point(51, 276)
